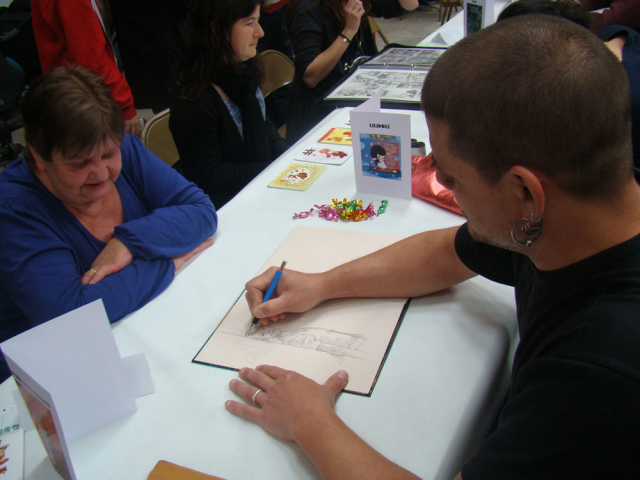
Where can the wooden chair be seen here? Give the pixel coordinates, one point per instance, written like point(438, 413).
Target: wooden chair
point(447, 7)
point(157, 138)
point(435, 6)
point(278, 72)
point(375, 28)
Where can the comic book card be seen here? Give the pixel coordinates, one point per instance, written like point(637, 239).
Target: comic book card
point(317, 153)
point(298, 176)
point(337, 136)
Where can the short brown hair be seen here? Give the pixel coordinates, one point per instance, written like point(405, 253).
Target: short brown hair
point(536, 91)
point(70, 110)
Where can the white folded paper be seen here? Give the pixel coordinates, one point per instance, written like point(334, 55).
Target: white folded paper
point(73, 380)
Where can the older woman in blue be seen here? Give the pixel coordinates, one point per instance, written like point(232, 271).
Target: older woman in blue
point(88, 212)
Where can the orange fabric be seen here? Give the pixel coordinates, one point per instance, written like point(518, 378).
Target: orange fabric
point(425, 186)
point(170, 471)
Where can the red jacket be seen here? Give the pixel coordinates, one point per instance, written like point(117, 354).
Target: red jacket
point(273, 5)
point(68, 32)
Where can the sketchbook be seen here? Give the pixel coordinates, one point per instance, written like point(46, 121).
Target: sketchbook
point(346, 334)
point(396, 75)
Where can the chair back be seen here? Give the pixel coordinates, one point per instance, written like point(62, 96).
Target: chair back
point(447, 9)
point(157, 138)
point(375, 28)
point(278, 71)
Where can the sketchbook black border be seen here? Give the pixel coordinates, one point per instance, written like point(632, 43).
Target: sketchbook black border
point(354, 102)
point(375, 379)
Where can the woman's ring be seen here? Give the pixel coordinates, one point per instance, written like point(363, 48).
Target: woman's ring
point(253, 399)
point(94, 271)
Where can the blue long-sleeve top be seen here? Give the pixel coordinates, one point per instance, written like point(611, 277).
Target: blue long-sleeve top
point(45, 250)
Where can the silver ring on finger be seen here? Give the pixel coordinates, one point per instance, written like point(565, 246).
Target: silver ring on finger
point(253, 399)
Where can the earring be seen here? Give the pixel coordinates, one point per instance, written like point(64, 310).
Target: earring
point(530, 228)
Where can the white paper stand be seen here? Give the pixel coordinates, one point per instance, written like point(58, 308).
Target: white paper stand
point(71, 372)
point(381, 150)
point(447, 37)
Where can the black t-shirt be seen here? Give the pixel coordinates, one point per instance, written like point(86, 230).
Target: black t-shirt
point(573, 408)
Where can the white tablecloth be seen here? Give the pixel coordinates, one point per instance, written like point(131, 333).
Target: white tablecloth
point(441, 383)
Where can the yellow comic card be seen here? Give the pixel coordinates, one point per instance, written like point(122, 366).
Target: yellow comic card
point(337, 136)
point(298, 176)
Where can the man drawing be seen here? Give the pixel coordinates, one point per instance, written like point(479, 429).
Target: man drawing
point(529, 123)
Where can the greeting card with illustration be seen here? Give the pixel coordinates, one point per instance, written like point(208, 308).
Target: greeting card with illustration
point(47, 423)
point(320, 154)
point(381, 150)
point(11, 444)
point(72, 379)
point(297, 176)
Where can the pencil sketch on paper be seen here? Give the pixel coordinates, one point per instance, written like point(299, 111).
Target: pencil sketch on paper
point(338, 344)
point(352, 334)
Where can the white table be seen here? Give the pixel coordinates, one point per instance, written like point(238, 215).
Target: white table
point(453, 30)
point(441, 383)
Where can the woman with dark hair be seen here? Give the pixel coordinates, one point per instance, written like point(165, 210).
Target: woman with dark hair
point(218, 121)
point(327, 36)
point(87, 212)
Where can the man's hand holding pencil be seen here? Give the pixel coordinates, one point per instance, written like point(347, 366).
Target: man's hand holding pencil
point(295, 292)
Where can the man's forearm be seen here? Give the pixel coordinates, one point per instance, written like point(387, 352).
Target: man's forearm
point(338, 453)
point(418, 265)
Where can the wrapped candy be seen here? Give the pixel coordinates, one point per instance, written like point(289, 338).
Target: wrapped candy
point(302, 214)
point(345, 210)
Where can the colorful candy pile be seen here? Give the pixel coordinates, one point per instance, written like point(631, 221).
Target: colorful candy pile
point(345, 210)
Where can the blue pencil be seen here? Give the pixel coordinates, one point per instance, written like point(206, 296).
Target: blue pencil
point(270, 290)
